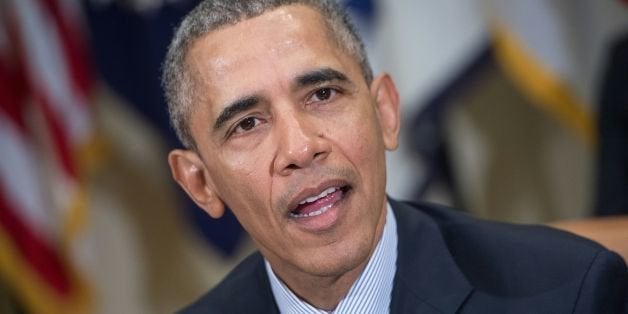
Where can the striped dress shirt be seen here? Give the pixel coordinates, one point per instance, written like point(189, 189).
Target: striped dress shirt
point(369, 294)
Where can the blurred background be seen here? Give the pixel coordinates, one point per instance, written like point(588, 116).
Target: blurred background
point(512, 110)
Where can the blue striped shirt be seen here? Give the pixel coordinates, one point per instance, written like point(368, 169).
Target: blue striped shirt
point(370, 293)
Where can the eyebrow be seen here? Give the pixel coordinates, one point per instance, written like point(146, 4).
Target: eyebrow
point(307, 79)
point(320, 76)
point(233, 109)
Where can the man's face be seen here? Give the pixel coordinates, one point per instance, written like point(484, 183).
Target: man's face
point(292, 139)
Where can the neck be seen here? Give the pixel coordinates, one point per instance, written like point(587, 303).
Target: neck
point(325, 291)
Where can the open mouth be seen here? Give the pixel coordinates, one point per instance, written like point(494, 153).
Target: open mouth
point(317, 205)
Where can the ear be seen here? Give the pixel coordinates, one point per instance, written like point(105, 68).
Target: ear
point(384, 92)
point(189, 170)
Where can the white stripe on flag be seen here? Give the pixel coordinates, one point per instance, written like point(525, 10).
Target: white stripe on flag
point(19, 179)
point(48, 69)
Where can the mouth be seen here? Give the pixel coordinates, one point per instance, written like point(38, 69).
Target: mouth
point(319, 204)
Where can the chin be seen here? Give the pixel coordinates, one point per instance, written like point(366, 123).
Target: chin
point(336, 260)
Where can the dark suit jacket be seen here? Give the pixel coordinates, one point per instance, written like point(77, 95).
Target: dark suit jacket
point(449, 262)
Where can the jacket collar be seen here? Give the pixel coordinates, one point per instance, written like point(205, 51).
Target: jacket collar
point(428, 279)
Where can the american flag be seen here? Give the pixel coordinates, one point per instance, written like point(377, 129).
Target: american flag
point(45, 134)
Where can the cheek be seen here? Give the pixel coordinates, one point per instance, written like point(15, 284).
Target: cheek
point(366, 151)
point(369, 156)
point(243, 181)
point(241, 165)
point(361, 137)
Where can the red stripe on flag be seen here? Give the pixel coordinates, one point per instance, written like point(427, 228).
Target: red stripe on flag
point(76, 62)
point(12, 93)
point(39, 255)
point(13, 83)
point(58, 135)
point(75, 49)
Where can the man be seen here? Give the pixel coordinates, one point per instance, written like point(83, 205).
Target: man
point(283, 121)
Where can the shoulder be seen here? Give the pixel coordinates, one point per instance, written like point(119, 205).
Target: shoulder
point(512, 260)
point(244, 290)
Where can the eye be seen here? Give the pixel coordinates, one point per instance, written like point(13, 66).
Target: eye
point(246, 125)
point(322, 95)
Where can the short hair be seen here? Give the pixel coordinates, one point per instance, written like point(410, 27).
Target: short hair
point(211, 15)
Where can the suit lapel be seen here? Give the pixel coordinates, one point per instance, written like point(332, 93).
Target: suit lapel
point(427, 279)
point(261, 299)
point(248, 289)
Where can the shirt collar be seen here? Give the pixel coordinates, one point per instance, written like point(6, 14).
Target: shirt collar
point(370, 293)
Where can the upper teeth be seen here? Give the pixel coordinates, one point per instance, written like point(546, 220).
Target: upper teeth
point(319, 196)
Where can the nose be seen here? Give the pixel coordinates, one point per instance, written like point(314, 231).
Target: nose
point(301, 142)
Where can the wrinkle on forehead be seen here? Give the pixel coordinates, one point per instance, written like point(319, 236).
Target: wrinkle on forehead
point(284, 15)
point(262, 41)
point(220, 64)
point(236, 37)
point(211, 57)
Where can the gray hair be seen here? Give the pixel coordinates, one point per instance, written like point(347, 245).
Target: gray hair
point(211, 15)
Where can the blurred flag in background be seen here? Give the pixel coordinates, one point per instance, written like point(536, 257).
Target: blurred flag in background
point(45, 135)
point(556, 52)
point(430, 49)
point(129, 40)
point(568, 58)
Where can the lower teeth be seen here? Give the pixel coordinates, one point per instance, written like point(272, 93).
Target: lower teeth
point(312, 214)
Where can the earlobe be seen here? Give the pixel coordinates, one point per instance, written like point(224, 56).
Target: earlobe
point(384, 91)
point(189, 171)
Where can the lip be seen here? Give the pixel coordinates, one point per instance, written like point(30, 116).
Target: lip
point(308, 192)
point(333, 208)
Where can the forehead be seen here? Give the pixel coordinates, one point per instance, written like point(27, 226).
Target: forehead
point(259, 52)
point(296, 21)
